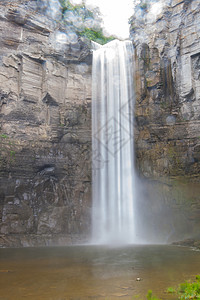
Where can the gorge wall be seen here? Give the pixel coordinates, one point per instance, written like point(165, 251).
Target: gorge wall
point(167, 51)
point(45, 125)
point(45, 130)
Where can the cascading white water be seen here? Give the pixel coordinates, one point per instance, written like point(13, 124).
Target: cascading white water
point(113, 219)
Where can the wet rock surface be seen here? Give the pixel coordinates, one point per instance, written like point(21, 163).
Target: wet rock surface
point(194, 243)
point(45, 130)
point(167, 55)
point(168, 89)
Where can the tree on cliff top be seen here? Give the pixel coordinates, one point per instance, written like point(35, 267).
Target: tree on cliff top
point(86, 22)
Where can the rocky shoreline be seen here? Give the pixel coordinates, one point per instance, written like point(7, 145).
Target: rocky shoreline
point(194, 243)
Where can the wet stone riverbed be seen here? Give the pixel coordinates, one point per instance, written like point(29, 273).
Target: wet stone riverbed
point(94, 272)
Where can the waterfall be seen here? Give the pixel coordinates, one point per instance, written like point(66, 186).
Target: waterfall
point(113, 180)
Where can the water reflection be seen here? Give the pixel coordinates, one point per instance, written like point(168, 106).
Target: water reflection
point(90, 272)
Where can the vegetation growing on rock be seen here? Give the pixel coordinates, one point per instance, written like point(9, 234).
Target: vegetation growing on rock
point(96, 36)
point(86, 22)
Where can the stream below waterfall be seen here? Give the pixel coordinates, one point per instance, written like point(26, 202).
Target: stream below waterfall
point(94, 272)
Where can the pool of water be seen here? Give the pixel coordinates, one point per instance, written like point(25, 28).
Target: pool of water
point(94, 272)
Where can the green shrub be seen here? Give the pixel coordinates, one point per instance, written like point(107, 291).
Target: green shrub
point(79, 9)
point(96, 36)
point(171, 290)
point(189, 290)
point(3, 136)
point(185, 291)
point(84, 13)
point(150, 296)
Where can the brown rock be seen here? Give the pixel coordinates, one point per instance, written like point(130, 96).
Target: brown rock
point(45, 131)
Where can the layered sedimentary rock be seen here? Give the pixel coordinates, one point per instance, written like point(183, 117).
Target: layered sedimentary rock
point(45, 125)
point(45, 129)
point(167, 47)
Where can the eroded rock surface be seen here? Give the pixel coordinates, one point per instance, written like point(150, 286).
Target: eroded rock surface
point(45, 130)
point(167, 47)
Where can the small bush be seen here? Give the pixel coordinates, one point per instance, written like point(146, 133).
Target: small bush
point(96, 36)
point(85, 14)
point(186, 291)
point(3, 136)
point(171, 290)
point(189, 290)
point(150, 296)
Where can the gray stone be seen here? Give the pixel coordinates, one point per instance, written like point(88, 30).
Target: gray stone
point(45, 131)
point(167, 111)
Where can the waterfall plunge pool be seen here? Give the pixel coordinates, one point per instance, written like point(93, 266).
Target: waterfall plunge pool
point(94, 272)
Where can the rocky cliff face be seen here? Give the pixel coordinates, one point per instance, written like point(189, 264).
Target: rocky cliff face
point(167, 51)
point(45, 129)
point(45, 125)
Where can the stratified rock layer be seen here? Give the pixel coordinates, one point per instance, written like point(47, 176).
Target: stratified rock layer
point(45, 130)
point(167, 48)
